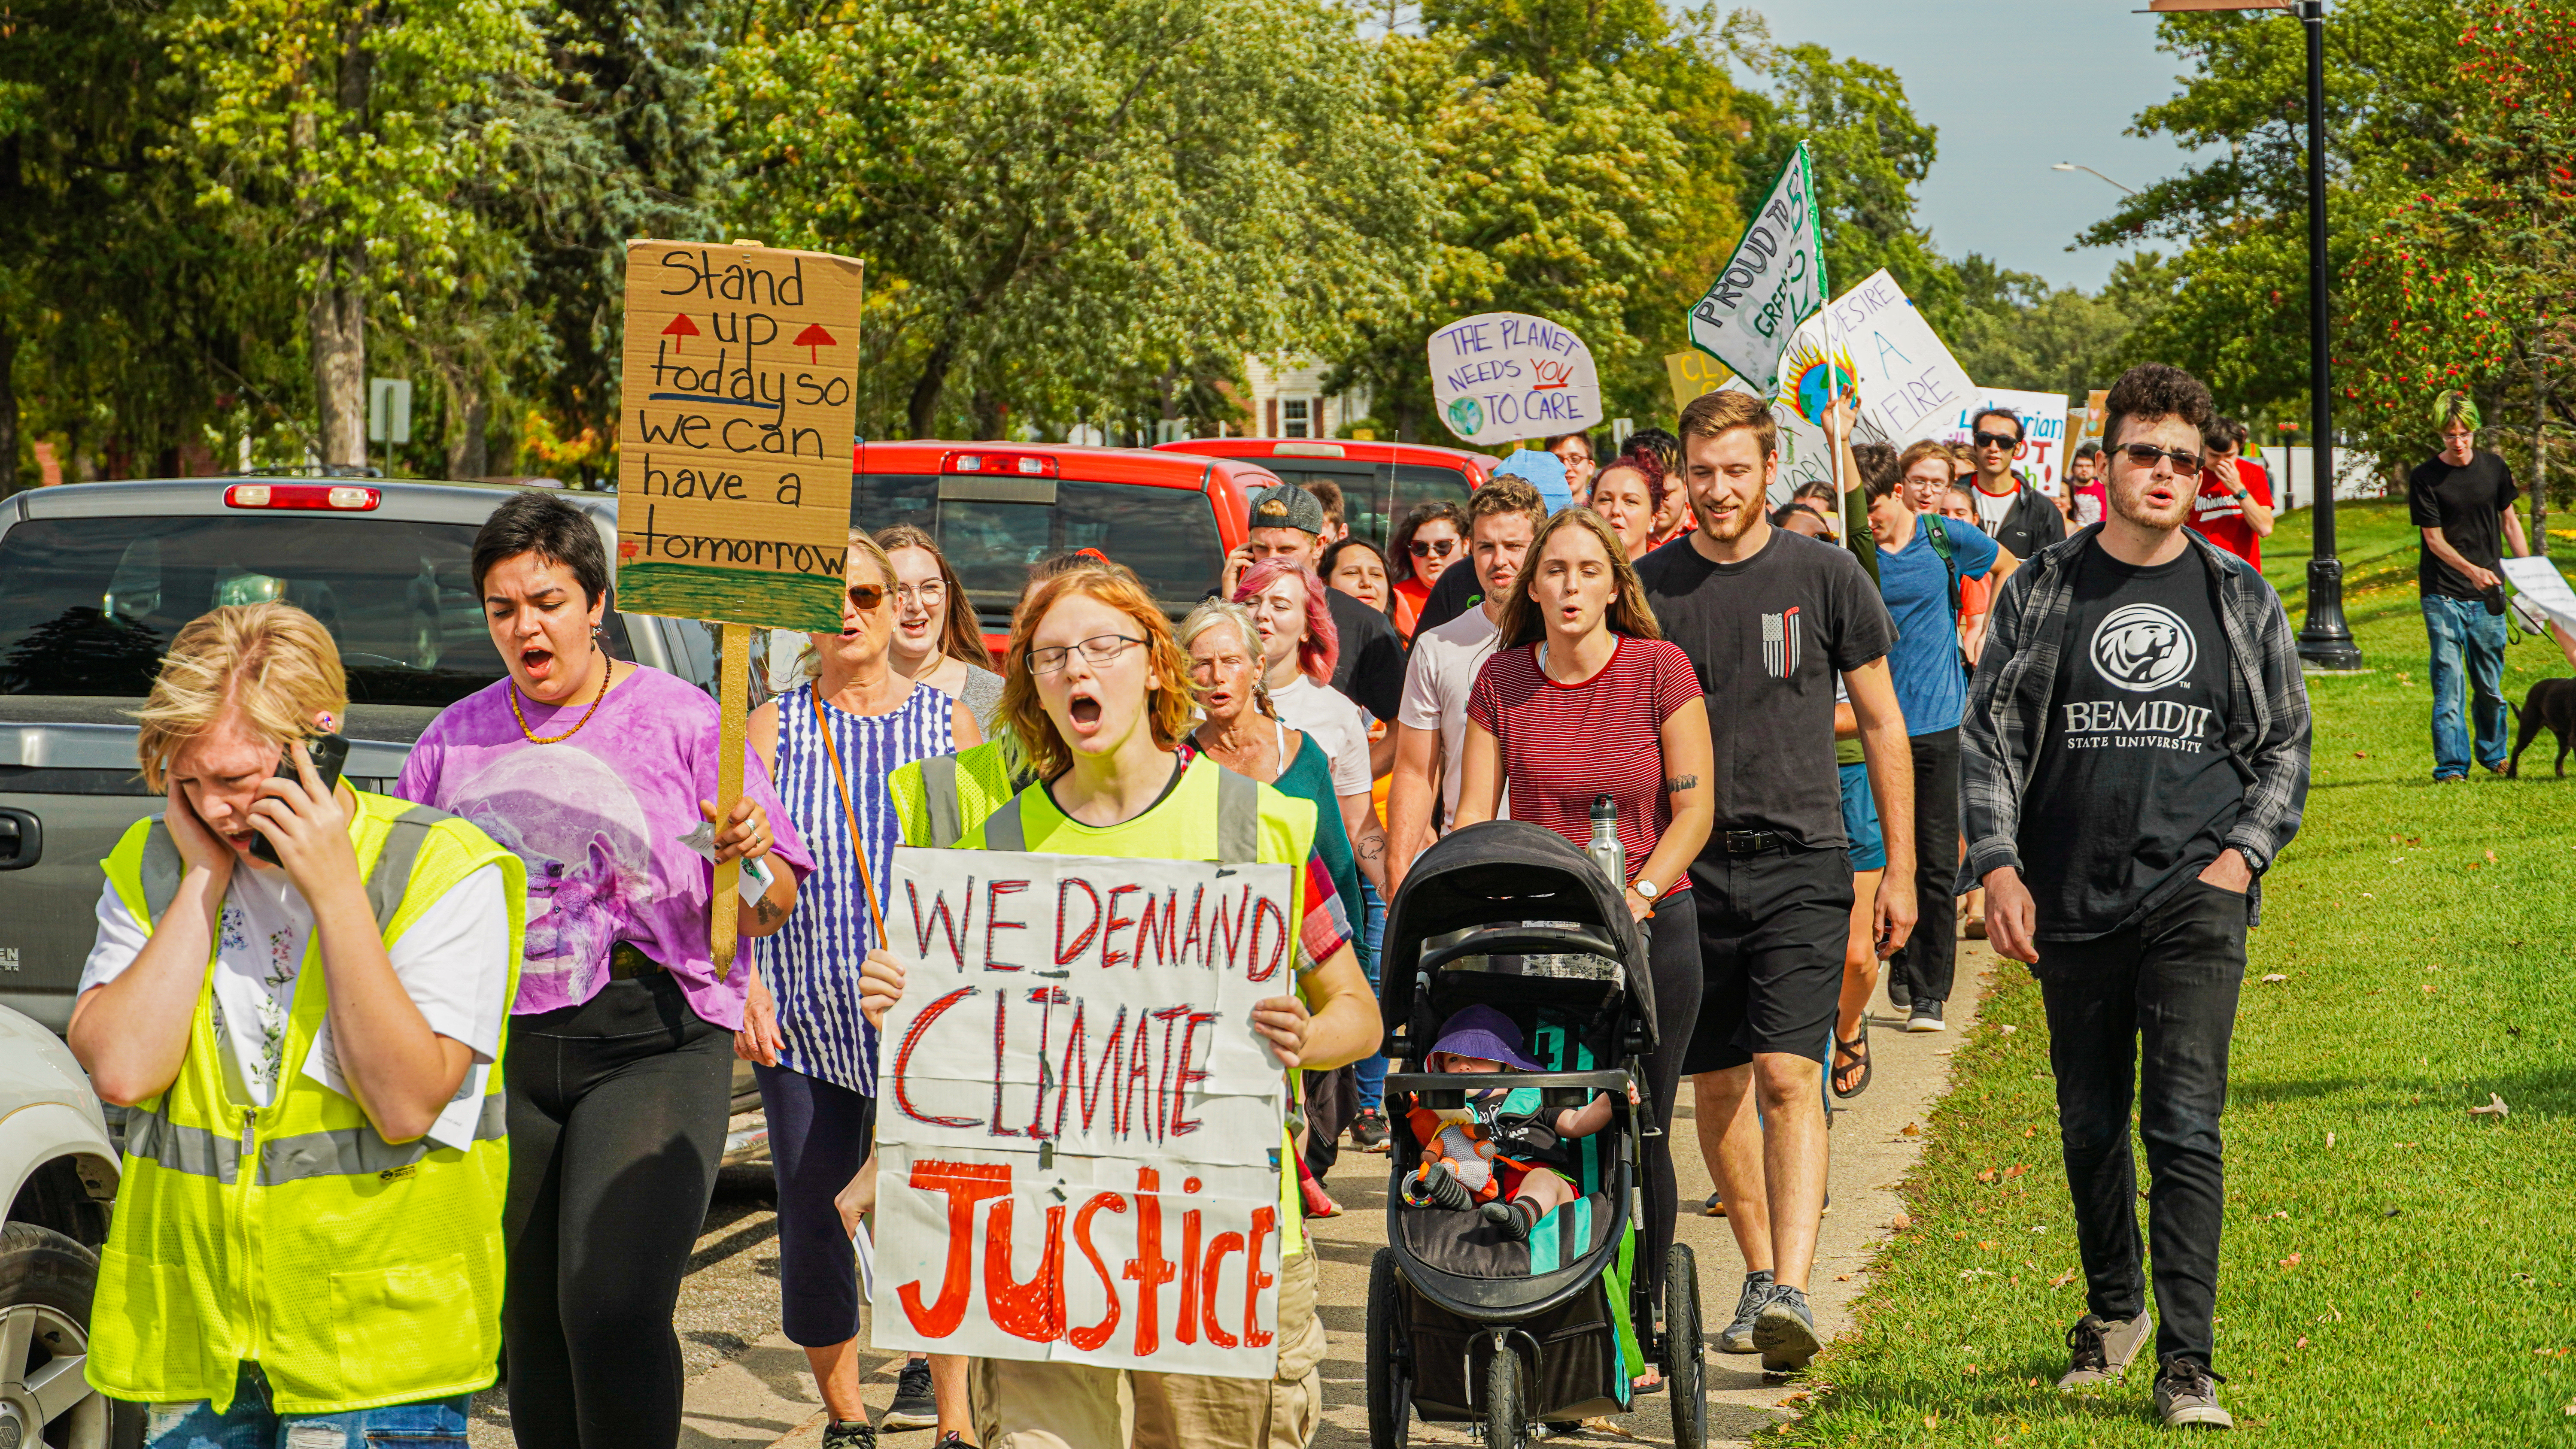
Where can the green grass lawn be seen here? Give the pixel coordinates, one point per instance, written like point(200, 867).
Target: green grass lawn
point(2396, 1271)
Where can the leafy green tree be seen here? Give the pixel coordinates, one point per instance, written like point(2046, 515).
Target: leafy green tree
point(1054, 194)
point(2011, 329)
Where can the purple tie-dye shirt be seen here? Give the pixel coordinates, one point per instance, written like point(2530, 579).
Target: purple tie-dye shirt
point(598, 818)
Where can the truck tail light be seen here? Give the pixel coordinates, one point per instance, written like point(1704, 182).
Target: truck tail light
point(1009, 465)
point(344, 497)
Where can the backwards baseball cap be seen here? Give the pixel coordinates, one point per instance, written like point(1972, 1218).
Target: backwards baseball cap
point(1285, 506)
point(2456, 406)
point(1483, 1031)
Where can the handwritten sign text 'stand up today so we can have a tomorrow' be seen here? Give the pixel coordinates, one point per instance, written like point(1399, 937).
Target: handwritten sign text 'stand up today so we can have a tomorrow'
point(734, 454)
point(1080, 1130)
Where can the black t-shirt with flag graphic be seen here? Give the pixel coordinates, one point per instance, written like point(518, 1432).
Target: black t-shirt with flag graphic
point(2134, 790)
point(1768, 638)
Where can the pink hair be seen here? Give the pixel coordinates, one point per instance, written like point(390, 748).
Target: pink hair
point(1322, 644)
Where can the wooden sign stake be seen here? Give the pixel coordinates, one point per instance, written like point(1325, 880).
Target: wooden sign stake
point(734, 705)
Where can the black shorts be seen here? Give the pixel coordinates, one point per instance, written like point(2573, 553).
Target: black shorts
point(1772, 928)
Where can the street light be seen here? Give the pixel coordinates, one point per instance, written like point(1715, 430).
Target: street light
point(2072, 166)
point(2325, 641)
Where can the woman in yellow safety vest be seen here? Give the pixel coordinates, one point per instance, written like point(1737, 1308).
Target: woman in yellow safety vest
point(308, 1232)
point(1099, 696)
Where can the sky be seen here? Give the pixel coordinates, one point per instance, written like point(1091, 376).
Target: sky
point(2013, 86)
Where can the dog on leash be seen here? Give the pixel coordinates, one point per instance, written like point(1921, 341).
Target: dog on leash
point(2551, 703)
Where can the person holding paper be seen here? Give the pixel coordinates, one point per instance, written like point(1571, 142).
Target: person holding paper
point(598, 773)
point(348, 987)
point(1099, 694)
point(829, 743)
point(2461, 499)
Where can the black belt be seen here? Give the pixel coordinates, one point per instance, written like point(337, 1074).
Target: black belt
point(1749, 842)
point(625, 963)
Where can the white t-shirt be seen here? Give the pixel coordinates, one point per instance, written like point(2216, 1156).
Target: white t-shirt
point(1437, 681)
point(454, 963)
point(1339, 727)
point(1991, 507)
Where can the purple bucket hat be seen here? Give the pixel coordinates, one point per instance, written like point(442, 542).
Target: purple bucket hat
point(1484, 1031)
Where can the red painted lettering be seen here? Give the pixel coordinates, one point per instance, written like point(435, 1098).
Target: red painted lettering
point(1149, 1269)
point(1185, 1324)
point(1001, 1015)
point(1065, 886)
point(1110, 955)
point(1097, 1334)
point(1048, 998)
point(938, 920)
point(1163, 1083)
point(1194, 941)
point(1077, 1074)
point(1190, 1075)
point(993, 893)
point(1254, 1280)
point(1225, 933)
point(903, 1062)
point(1033, 1310)
point(1218, 1247)
point(1266, 912)
point(1160, 930)
point(966, 1183)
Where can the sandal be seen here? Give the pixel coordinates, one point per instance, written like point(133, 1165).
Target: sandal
point(1858, 1049)
point(1716, 1207)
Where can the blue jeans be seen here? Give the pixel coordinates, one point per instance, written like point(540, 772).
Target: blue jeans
point(254, 1423)
point(1371, 1071)
point(2464, 627)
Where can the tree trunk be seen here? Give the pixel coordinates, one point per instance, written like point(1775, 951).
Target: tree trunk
point(8, 408)
point(339, 334)
point(2539, 456)
point(469, 426)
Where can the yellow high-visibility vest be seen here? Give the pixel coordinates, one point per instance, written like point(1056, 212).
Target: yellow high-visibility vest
point(355, 1272)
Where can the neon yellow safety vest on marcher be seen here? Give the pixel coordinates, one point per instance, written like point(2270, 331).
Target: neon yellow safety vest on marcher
point(354, 1271)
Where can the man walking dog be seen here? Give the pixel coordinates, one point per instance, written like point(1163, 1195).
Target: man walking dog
point(2135, 754)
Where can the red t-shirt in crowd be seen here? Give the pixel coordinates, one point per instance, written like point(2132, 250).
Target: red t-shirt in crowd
point(1563, 744)
point(2218, 517)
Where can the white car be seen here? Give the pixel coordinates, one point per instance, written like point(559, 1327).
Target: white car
point(58, 1176)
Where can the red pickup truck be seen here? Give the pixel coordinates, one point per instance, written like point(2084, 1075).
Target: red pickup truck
point(1380, 482)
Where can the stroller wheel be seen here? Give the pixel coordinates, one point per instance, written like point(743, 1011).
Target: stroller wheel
point(1390, 1357)
point(1503, 1408)
point(1684, 1365)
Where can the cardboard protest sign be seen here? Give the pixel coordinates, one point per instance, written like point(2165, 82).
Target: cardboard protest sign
point(1910, 385)
point(1692, 373)
point(2041, 459)
point(1080, 1130)
point(1500, 377)
point(1774, 281)
point(733, 476)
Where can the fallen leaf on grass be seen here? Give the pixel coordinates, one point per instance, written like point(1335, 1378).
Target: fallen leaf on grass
point(2302, 1343)
point(1899, 1223)
point(1909, 1130)
point(2430, 988)
point(2007, 1030)
point(1985, 1247)
point(1986, 1176)
point(2361, 754)
point(1842, 1277)
point(2016, 1170)
point(2491, 857)
point(2551, 1352)
point(2291, 1261)
point(2275, 979)
point(2330, 1139)
point(1933, 1421)
point(2062, 1279)
point(2495, 1107)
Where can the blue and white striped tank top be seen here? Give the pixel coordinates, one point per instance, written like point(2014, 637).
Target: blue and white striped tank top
point(812, 963)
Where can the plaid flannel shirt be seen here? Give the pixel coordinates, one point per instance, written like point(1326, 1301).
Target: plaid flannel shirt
point(2008, 699)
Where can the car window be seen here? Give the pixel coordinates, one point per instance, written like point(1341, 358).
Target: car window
point(1426, 483)
point(1167, 535)
point(88, 605)
point(1363, 488)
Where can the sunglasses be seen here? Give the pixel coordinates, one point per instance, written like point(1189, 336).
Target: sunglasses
point(866, 597)
point(1996, 440)
point(2145, 455)
point(1432, 548)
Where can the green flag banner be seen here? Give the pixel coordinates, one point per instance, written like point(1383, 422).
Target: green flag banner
point(1775, 280)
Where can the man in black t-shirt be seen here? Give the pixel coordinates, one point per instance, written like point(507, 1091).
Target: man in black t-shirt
point(2462, 499)
point(1769, 618)
point(2134, 755)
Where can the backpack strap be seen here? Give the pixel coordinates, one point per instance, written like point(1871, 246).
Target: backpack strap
point(939, 797)
point(1937, 528)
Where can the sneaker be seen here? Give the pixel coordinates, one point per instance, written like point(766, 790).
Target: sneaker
point(1785, 1332)
point(861, 1435)
point(2187, 1396)
point(2098, 1349)
point(1926, 1017)
point(915, 1407)
point(1369, 1130)
point(1738, 1337)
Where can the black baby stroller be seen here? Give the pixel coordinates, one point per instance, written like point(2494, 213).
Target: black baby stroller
point(1466, 1322)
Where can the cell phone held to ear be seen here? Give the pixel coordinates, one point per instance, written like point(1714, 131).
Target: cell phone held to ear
point(330, 752)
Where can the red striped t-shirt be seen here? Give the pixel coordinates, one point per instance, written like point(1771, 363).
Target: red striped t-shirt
point(1563, 744)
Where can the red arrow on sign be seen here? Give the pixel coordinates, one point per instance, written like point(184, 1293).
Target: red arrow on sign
point(680, 327)
point(811, 338)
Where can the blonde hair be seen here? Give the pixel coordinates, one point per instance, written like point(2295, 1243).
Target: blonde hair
point(1169, 709)
point(273, 663)
point(1215, 613)
point(809, 660)
point(1522, 623)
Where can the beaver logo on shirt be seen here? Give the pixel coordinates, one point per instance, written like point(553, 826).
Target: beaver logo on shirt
point(2143, 647)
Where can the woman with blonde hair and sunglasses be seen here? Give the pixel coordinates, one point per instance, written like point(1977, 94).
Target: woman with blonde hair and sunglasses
point(1099, 693)
point(1582, 659)
point(829, 743)
point(935, 638)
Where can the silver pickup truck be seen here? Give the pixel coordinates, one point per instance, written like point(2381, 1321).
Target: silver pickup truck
point(95, 578)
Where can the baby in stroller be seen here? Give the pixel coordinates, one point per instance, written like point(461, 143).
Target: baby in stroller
point(1501, 1151)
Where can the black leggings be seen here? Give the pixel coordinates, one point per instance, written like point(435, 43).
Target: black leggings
point(617, 1123)
point(1672, 951)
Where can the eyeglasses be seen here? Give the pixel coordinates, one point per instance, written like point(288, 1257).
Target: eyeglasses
point(2145, 455)
point(927, 596)
point(1996, 440)
point(1431, 547)
point(1099, 650)
point(866, 597)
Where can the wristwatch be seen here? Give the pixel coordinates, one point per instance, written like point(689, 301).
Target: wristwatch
point(1644, 887)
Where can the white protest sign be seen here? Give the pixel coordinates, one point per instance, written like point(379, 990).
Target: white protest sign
point(2042, 456)
point(1910, 385)
point(2538, 583)
point(1774, 281)
point(1804, 458)
point(1079, 1128)
point(1500, 377)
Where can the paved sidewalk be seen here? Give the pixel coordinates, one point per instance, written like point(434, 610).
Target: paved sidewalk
point(757, 1393)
